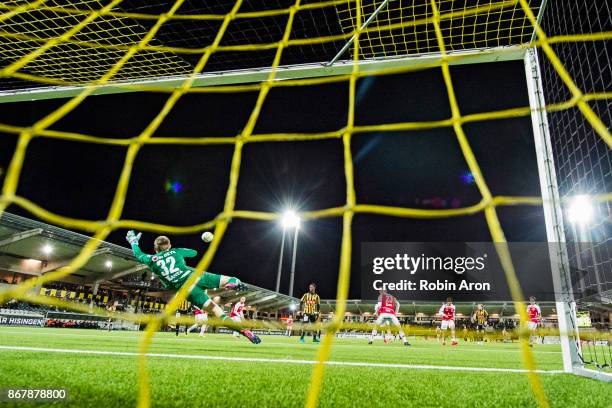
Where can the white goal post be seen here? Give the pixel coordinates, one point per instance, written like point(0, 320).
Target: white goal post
point(555, 231)
point(246, 76)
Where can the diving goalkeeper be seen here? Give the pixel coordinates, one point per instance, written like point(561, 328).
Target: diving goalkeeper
point(169, 266)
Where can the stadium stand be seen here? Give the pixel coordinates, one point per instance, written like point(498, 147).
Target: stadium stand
point(111, 277)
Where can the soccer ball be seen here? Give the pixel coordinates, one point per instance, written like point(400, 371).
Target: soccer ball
point(207, 236)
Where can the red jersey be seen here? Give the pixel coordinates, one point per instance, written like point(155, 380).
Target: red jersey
point(386, 304)
point(533, 311)
point(198, 312)
point(289, 321)
point(447, 312)
point(237, 310)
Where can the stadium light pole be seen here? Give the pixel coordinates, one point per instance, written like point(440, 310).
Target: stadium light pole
point(280, 260)
point(295, 241)
point(289, 220)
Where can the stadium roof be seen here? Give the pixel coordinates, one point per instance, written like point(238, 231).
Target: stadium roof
point(34, 248)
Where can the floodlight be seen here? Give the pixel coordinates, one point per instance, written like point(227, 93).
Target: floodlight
point(290, 219)
point(580, 210)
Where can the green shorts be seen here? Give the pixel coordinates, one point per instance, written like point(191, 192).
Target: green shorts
point(198, 296)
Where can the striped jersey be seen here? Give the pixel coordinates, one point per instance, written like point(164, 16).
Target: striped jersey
point(310, 302)
point(481, 316)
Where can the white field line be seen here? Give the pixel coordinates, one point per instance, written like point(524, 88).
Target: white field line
point(336, 344)
point(277, 361)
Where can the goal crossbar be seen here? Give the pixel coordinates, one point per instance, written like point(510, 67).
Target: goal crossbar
point(288, 72)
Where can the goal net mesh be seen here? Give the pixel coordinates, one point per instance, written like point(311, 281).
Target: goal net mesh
point(92, 43)
point(582, 158)
point(318, 33)
point(397, 29)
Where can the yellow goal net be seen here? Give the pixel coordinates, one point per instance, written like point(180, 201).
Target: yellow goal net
point(78, 48)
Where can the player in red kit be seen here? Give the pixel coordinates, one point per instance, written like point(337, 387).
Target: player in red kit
point(534, 314)
point(385, 309)
point(289, 326)
point(237, 313)
point(447, 312)
point(201, 317)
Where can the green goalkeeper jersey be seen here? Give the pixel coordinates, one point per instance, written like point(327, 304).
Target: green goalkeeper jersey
point(169, 266)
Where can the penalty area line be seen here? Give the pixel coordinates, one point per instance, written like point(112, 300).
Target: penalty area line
point(278, 361)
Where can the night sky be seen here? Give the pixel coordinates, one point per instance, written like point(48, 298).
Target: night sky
point(423, 169)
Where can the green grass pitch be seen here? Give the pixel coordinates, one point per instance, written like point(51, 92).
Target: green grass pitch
point(191, 371)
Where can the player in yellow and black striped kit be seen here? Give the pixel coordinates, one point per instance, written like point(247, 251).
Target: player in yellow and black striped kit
point(481, 318)
point(309, 306)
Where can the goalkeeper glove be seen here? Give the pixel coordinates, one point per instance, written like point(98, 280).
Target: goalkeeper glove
point(132, 237)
